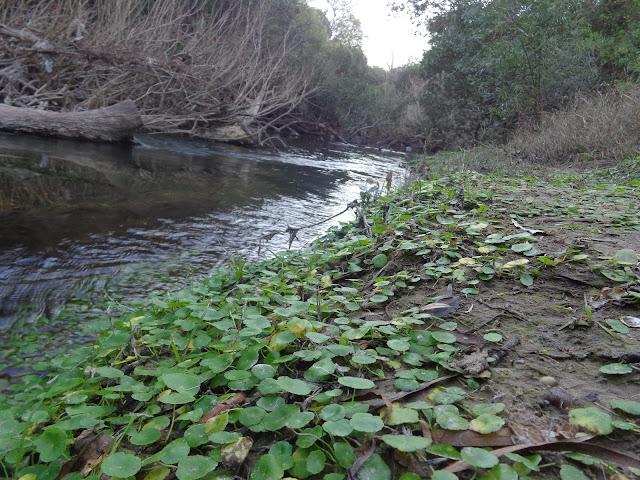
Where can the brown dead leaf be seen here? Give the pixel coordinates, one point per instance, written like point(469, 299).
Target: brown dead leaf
point(469, 438)
point(608, 294)
point(368, 451)
point(233, 402)
point(409, 461)
point(468, 338)
point(89, 447)
point(234, 454)
point(441, 308)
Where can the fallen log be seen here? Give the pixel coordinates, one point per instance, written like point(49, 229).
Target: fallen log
point(115, 123)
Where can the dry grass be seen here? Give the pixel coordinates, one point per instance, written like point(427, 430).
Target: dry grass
point(593, 132)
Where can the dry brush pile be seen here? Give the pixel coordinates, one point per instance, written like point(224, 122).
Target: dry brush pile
point(188, 66)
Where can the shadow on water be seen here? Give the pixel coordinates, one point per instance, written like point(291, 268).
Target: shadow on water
point(75, 216)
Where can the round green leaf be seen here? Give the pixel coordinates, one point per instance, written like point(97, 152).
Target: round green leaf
point(283, 451)
point(174, 452)
point(443, 475)
point(477, 457)
point(299, 419)
point(109, 372)
point(218, 364)
point(452, 421)
point(406, 443)
point(486, 423)
point(362, 359)
point(365, 422)
point(502, 471)
point(443, 450)
point(616, 369)
point(406, 384)
point(159, 472)
point(398, 345)
point(378, 298)
point(333, 412)
point(492, 408)
point(237, 374)
point(492, 337)
point(121, 465)
point(627, 406)
point(617, 326)
point(196, 435)
point(269, 386)
point(292, 385)
point(251, 416)
point(320, 370)
point(145, 436)
point(315, 462)
point(375, 468)
point(526, 279)
point(356, 382)
point(316, 337)
point(399, 416)
point(521, 247)
point(270, 403)
point(177, 398)
point(268, 467)
point(592, 419)
point(344, 454)
point(626, 257)
point(340, 428)
point(569, 472)
point(379, 260)
point(223, 437)
point(51, 444)
point(182, 382)
point(194, 467)
point(409, 476)
point(443, 337)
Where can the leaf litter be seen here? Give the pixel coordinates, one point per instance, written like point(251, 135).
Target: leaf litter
point(411, 347)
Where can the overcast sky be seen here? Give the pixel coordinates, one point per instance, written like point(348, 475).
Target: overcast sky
point(388, 37)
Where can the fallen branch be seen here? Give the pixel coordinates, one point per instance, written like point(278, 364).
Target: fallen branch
point(108, 124)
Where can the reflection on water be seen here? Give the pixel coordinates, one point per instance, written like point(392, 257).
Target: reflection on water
point(90, 212)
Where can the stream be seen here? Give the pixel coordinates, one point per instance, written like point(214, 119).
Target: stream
point(78, 219)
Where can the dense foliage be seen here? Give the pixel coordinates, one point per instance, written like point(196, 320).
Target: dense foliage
point(495, 65)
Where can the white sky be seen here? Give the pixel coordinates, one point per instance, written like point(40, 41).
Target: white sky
point(388, 37)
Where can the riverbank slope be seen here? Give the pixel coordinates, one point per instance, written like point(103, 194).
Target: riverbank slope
point(464, 312)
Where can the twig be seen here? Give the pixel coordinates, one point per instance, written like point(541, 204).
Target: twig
point(500, 354)
point(293, 231)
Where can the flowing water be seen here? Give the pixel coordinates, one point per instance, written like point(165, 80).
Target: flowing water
point(78, 218)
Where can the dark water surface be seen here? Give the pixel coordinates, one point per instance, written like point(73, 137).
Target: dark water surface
point(91, 217)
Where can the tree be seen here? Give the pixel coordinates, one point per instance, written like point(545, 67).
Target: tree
point(494, 64)
point(345, 27)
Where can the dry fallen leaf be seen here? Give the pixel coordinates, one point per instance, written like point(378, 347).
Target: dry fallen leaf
point(89, 447)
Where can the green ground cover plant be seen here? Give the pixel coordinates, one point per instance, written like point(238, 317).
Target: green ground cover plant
point(377, 354)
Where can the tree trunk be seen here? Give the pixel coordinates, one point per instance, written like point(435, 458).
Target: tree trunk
point(116, 123)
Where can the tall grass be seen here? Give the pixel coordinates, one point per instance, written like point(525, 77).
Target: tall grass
point(593, 131)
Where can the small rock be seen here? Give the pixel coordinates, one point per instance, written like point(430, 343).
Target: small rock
point(549, 381)
point(560, 398)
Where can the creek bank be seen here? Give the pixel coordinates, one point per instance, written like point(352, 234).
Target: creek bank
point(290, 366)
